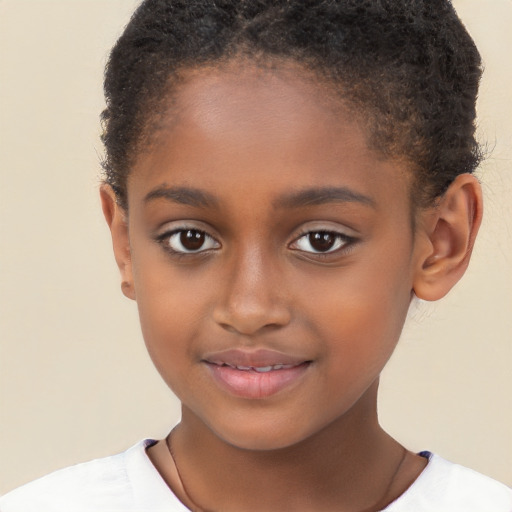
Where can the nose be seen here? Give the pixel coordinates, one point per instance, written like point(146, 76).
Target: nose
point(252, 298)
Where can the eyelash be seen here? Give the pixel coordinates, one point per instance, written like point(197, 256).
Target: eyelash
point(165, 240)
point(342, 242)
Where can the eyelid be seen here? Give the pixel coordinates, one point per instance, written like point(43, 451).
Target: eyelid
point(338, 232)
point(169, 228)
point(168, 231)
point(325, 226)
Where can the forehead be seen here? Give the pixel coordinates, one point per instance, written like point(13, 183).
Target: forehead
point(251, 124)
point(243, 93)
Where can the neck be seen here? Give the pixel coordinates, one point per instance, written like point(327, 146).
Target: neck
point(346, 466)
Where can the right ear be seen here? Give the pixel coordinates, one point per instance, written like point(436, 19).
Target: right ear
point(117, 221)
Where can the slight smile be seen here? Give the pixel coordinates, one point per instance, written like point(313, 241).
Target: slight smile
point(255, 375)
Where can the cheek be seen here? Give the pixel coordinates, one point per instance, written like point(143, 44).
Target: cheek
point(170, 329)
point(171, 310)
point(357, 345)
point(360, 314)
point(168, 297)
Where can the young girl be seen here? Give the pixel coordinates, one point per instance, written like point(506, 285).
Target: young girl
point(282, 179)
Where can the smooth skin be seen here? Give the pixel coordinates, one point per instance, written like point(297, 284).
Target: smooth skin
point(254, 165)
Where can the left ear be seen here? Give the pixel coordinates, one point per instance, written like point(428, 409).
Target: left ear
point(446, 238)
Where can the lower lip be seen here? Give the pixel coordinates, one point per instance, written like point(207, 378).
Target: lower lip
point(256, 385)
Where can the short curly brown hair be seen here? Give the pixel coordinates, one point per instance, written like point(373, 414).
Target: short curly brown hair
point(409, 67)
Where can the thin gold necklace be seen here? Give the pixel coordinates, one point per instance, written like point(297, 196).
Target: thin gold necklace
point(168, 442)
point(382, 502)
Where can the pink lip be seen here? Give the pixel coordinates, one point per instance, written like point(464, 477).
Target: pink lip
point(254, 358)
point(250, 383)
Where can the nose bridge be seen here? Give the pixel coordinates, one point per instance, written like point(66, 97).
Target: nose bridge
point(251, 298)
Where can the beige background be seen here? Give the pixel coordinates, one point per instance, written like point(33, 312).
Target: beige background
point(75, 380)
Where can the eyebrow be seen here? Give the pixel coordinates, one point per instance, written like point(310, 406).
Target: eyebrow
point(183, 195)
point(191, 196)
point(322, 195)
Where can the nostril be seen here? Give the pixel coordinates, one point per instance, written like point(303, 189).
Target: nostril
point(249, 328)
point(227, 327)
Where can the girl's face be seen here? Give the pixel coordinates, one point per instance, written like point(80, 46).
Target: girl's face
point(272, 255)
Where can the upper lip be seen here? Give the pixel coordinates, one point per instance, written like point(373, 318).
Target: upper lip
point(253, 358)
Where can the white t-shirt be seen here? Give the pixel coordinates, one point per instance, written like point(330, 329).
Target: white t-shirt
point(128, 482)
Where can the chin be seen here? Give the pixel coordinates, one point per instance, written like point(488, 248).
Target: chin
point(261, 443)
point(261, 436)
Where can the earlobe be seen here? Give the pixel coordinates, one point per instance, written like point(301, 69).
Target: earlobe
point(447, 237)
point(116, 219)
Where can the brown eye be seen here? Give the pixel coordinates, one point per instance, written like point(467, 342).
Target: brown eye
point(322, 241)
point(188, 241)
point(192, 240)
point(318, 242)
